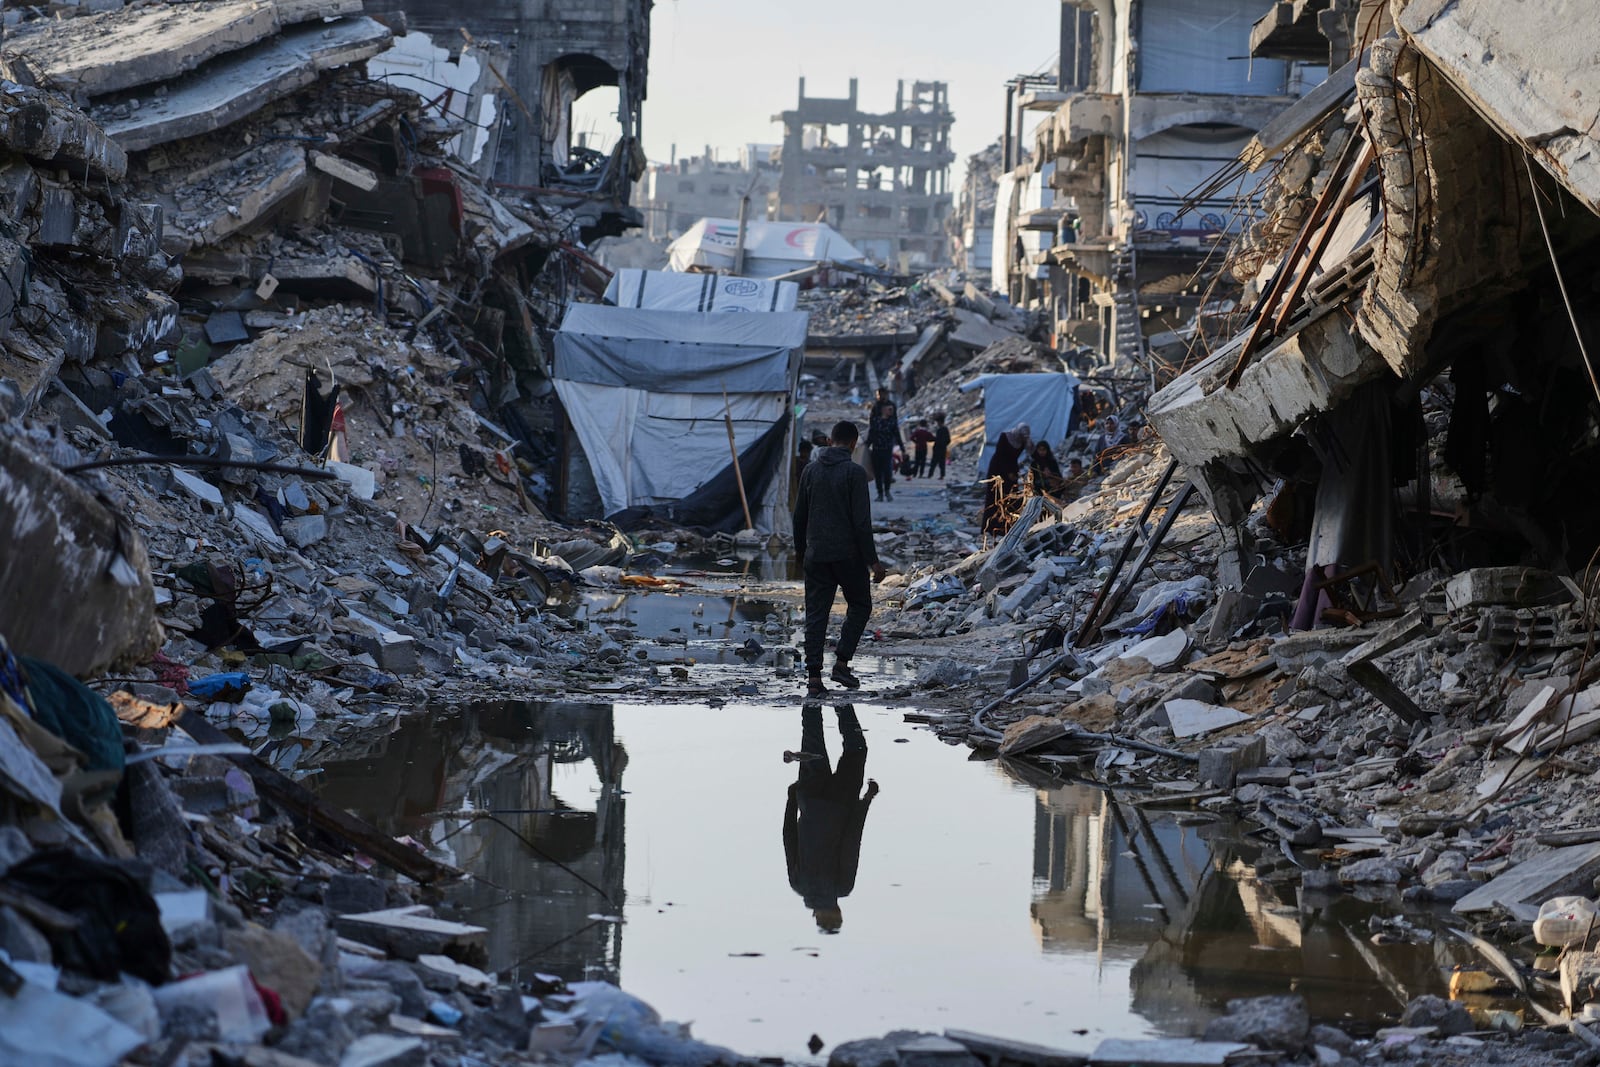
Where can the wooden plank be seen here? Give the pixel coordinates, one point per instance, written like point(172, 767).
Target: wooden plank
point(1563, 838)
point(1165, 1052)
point(303, 804)
point(1397, 633)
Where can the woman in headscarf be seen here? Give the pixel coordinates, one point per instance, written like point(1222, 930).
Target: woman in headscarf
point(1046, 470)
point(1002, 476)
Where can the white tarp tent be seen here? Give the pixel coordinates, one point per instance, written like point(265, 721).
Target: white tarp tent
point(1043, 401)
point(664, 290)
point(644, 391)
point(770, 248)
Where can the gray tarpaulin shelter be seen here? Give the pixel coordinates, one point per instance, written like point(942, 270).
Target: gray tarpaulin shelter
point(1043, 401)
point(644, 392)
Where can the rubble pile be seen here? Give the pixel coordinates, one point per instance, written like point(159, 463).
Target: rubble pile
point(253, 926)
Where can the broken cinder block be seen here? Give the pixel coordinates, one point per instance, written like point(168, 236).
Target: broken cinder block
point(1221, 764)
point(407, 933)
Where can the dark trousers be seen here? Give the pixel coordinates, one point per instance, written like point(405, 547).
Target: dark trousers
point(937, 462)
point(920, 461)
point(883, 469)
point(823, 580)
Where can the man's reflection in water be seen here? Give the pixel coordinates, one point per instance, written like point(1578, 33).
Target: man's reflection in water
point(826, 812)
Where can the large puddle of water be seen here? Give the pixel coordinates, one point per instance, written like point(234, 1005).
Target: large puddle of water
point(673, 850)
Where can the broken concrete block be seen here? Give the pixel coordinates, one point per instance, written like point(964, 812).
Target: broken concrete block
point(410, 932)
point(345, 171)
point(303, 530)
point(198, 488)
point(1445, 1016)
point(461, 974)
point(1220, 765)
point(1031, 733)
point(1375, 871)
point(1280, 1023)
point(257, 525)
point(1580, 978)
point(393, 652)
point(362, 482)
point(1267, 776)
point(1191, 718)
point(1162, 653)
point(1521, 586)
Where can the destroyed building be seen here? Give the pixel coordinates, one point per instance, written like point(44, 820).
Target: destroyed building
point(542, 57)
point(1160, 96)
point(972, 224)
point(1415, 374)
point(880, 179)
point(674, 196)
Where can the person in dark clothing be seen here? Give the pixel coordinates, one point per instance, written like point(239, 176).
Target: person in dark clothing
point(941, 445)
point(921, 438)
point(825, 816)
point(833, 539)
point(883, 437)
point(1046, 470)
point(1002, 475)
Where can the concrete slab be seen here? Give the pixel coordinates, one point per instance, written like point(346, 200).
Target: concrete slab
point(1308, 372)
point(150, 44)
point(1523, 68)
point(44, 127)
point(234, 199)
point(240, 83)
point(1191, 718)
point(1559, 872)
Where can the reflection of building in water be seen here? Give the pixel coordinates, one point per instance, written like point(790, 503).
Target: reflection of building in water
point(552, 774)
point(1108, 878)
point(1089, 887)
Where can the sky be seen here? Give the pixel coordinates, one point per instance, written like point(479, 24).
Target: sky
point(720, 69)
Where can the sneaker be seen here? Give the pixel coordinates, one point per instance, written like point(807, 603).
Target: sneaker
point(815, 688)
point(841, 674)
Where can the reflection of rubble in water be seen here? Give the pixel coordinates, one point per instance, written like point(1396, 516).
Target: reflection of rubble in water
point(506, 760)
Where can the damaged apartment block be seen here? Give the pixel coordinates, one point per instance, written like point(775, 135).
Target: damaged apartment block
point(881, 180)
point(1414, 384)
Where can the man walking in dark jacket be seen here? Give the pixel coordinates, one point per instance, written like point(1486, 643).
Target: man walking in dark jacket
point(833, 538)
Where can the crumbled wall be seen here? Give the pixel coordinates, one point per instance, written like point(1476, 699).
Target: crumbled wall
point(1453, 214)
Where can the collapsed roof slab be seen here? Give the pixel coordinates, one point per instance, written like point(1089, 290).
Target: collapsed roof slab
point(1309, 372)
point(233, 197)
point(1529, 69)
point(43, 127)
point(131, 46)
point(227, 89)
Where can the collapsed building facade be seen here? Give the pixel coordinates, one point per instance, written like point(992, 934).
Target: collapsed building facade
point(880, 179)
point(1413, 386)
point(1153, 99)
point(542, 56)
point(190, 182)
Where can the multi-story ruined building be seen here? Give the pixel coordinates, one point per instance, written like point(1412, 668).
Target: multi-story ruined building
point(674, 196)
point(542, 56)
point(1155, 99)
point(881, 180)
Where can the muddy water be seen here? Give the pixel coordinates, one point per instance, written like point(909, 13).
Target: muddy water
point(673, 850)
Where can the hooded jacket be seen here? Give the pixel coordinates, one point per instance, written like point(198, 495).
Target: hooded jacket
point(833, 514)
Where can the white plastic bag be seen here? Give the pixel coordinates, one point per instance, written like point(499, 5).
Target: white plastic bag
point(1564, 921)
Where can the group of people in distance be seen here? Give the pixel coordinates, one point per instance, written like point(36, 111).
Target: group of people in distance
point(931, 445)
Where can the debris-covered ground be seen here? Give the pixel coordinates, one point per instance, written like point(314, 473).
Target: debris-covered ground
point(277, 476)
